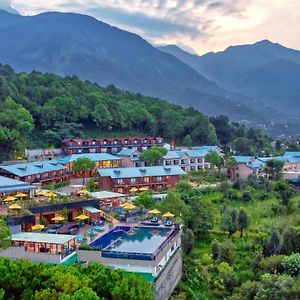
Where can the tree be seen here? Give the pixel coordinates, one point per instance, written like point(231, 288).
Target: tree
point(231, 165)
point(153, 155)
point(274, 168)
point(188, 240)
point(285, 193)
point(214, 158)
point(291, 264)
point(243, 221)
point(289, 241)
point(102, 117)
point(83, 164)
point(187, 141)
point(144, 200)
point(273, 245)
point(215, 249)
point(242, 146)
point(229, 221)
point(5, 235)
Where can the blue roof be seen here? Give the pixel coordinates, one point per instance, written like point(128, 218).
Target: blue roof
point(197, 153)
point(127, 152)
point(32, 168)
point(12, 185)
point(173, 154)
point(194, 152)
point(292, 153)
point(243, 159)
point(141, 172)
point(256, 164)
point(91, 156)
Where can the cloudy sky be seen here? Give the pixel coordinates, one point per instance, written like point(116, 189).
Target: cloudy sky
point(198, 25)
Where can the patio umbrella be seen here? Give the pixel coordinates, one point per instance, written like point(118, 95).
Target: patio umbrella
point(38, 227)
point(41, 193)
point(130, 206)
point(154, 212)
point(15, 206)
point(132, 190)
point(82, 217)
point(50, 194)
point(9, 199)
point(168, 215)
point(144, 188)
point(21, 195)
point(58, 218)
point(83, 192)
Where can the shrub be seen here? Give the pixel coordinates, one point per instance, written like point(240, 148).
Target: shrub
point(291, 264)
point(272, 264)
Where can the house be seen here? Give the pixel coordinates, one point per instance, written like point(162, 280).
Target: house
point(131, 180)
point(41, 172)
point(10, 186)
point(130, 158)
point(190, 159)
point(109, 199)
point(108, 145)
point(248, 165)
point(102, 160)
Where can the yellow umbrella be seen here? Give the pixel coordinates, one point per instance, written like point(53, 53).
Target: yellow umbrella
point(84, 192)
point(41, 193)
point(132, 190)
point(9, 199)
point(144, 188)
point(130, 206)
point(38, 227)
point(168, 215)
point(154, 212)
point(50, 194)
point(58, 218)
point(82, 217)
point(15, 206)
point(21, 195)
point(124, 204)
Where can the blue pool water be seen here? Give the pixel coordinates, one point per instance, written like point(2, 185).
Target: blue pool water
point(140, 240)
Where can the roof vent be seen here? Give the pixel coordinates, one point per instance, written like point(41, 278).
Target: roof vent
point(54, 163)
point(39, 166)
point(117, 171)
point(167, 168)
point(142, 170)
point(22, 168)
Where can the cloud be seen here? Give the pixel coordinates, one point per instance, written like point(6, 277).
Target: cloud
point(203, 25)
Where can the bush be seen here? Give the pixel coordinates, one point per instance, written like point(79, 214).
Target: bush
point(272, 264)
point(291, 264)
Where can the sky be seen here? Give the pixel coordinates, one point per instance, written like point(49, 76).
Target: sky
point(199, 26)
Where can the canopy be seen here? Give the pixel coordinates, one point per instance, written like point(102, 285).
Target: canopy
point(84, 192)
point(82, 217)
point(154, 212)
point(168, 215)
point(21, 195)
point(144, 188)
point(133, 190)
point(9, 198)
point(58, 218)
point(15, 206)
point(130, 206)
point(38, 227)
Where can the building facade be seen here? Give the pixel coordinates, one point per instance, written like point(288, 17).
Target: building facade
point(10, 186)
point(132, 180)
point(39, 172)
point(108, 145)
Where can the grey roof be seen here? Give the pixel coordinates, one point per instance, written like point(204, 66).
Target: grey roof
point(12, 185)
point(192, 153)
point(106, 194)
point(32, 168)
point(91, 156)
point(91, 209)
point(42, 237)
point(127, 152)
point(141, 172)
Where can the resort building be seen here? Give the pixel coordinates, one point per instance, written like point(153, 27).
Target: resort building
point(39, 172)
point(132, 180)
point(153, 252)
point(109, 145)
point(248, 165)
point(10, 186)
point(109, 200)
point(42, 247)
point(191, 159)
point(102, 160)
point(130, 158)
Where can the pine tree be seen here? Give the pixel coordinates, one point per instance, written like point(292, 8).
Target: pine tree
point(243, 221)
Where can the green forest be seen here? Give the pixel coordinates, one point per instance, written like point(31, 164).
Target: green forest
point(39, 110)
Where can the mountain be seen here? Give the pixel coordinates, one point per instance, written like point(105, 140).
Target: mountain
point(67, 44)
point(267, 72)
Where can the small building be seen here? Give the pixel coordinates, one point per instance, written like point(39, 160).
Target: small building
point(248, 165)
point(102, 160)
point(151, 252)
point(109, 199)
point(130, 158)
point(131, 180)
point(10, 186)
point(108, 145)
point(41, 172)
point(42, 247)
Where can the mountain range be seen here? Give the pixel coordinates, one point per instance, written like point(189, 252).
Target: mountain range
point(258, 83)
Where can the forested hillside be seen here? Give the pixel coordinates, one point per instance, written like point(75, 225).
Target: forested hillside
point(38, 110)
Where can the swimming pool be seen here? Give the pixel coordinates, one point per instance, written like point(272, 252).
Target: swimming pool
point(140, 240)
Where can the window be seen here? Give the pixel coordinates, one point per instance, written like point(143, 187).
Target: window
point(192, 160)
point(183, 168)
point(146, 179)
point(176, 162)
point(158, 178)
point(193, 168)
point(133, 180)
point(184, 161)
point(168, 162)
point(200, 160)
point(120, 181)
